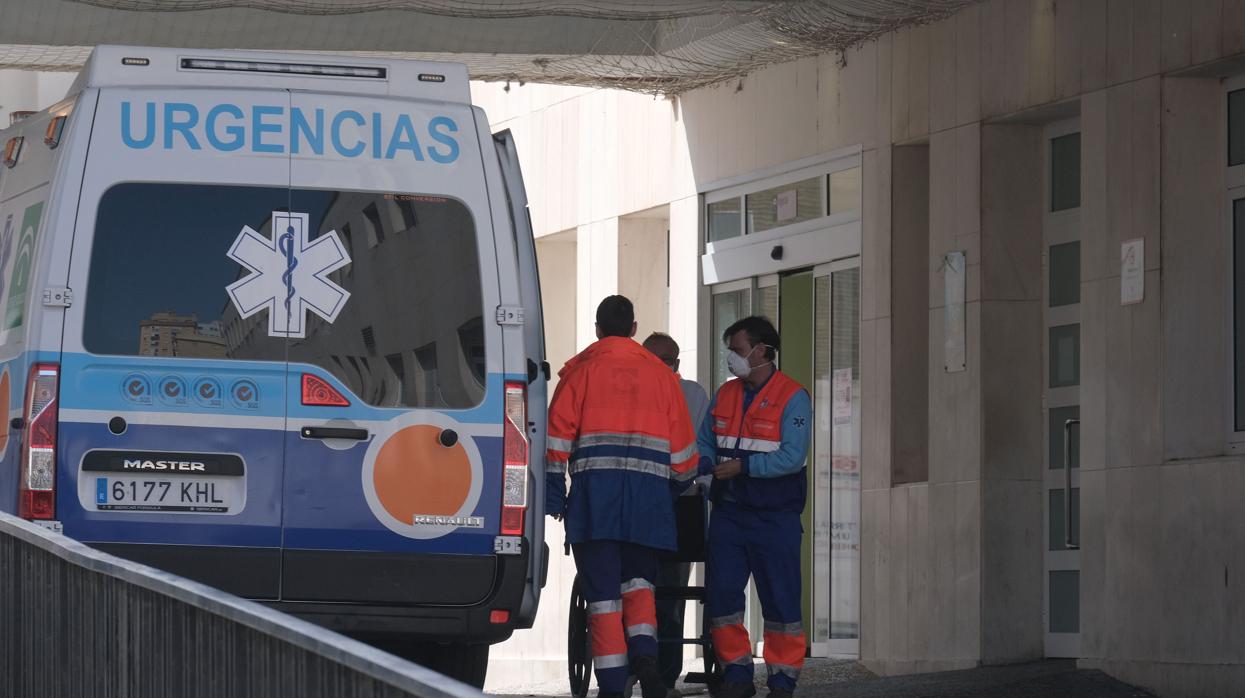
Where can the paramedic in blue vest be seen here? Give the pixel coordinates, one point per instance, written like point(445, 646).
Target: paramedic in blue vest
point(618, 425)
point(754, 441)
point(672, 573)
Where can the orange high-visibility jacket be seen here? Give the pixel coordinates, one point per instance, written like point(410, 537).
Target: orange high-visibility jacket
point(618, 424)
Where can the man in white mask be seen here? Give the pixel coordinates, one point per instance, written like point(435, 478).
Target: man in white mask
point(754, 441)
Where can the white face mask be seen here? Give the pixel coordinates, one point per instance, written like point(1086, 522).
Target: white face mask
point(740, 366)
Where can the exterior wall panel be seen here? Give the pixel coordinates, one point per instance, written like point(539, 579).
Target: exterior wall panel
point(952, 567)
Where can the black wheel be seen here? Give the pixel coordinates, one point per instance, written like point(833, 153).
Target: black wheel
point(578, 644)
point(467, 663)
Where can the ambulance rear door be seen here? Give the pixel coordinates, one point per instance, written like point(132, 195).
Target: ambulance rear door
point(172, 400)
point(528, 279)
point(394, 448)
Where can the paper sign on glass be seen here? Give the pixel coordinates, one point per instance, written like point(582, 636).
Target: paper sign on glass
point(1132, 271)
point(842, 396)
point(785, 205)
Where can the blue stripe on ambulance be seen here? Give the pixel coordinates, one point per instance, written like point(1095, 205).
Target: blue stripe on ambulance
point(347, 521)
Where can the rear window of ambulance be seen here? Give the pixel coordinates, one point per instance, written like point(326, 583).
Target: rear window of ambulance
point(409, 334)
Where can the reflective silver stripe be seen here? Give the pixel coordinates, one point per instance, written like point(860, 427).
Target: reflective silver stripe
point(689, 474)
point(754, 445)
point(745, 660)
point(683, 455)
point(636, 465)
point(610, 661)
point(606, 438)
point(636, 584)
point(556, 444)
point(641, 630)
point(759, 445)
point(784, 628)
point(785, 670)
point(611, 606)
point(555, 466)
point(723, 621)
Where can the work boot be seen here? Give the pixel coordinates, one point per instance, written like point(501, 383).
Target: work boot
point(779, 693)
point(735, 689)
point(651, 683)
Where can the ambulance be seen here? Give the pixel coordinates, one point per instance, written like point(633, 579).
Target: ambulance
point(272, 322)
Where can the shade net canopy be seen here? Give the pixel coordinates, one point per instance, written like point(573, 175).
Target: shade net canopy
point(657, 46)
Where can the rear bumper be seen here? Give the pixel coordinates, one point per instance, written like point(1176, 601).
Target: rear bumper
point(435, 623)
point(439, 598)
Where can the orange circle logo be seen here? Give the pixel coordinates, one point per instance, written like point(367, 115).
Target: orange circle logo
point(418, 488)
point(415, 475)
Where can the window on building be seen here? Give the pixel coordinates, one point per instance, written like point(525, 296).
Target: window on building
point(785, 204)
point(1064, 270)
point(376, 229)
point(724, 221)
point(783, 200)
point(1238, 309)
point(1065, 356)
point(1065, 172)
point(1236, 128)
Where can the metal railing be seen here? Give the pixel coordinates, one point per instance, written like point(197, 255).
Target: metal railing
point(78, 622)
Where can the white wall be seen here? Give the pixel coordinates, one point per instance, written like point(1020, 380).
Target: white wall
point(25, 90)
point(642, 256)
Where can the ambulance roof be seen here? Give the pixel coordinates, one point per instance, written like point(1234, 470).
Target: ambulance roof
point(137, 66)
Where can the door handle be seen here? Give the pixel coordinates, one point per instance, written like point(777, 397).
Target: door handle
point(1068, 543)
point(335, 433)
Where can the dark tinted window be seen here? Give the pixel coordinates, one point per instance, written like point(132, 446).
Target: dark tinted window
point(1064, 274)
point(1238, 302)
point(400, 341)
point(1065, 172)
point(1236, 127)
point(410, 334)
point(159, 269)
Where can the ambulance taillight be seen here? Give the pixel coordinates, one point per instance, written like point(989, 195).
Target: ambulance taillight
point(37, 488)
point(514, 483)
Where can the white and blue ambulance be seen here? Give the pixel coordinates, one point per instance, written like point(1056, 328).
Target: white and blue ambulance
point(272, 322)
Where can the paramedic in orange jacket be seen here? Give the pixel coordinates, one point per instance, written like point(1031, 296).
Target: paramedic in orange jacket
point(619, 425)
point(754, 441)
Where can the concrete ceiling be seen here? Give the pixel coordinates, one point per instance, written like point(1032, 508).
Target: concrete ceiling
point(649, 45)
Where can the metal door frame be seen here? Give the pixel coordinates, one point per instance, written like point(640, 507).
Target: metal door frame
point(1057, 227)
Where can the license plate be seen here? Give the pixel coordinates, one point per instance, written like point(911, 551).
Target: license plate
point(206, 495)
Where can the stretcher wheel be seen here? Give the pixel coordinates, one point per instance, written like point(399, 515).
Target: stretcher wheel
point(578, 644)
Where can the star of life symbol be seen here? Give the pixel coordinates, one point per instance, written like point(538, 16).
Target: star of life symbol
point(288, 275)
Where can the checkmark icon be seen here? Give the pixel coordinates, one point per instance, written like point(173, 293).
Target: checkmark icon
point(207, 391)
point(136, 388)
point(172, 389)
point(244, 393)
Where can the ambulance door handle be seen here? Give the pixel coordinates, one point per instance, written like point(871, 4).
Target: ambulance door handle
point(334, 433)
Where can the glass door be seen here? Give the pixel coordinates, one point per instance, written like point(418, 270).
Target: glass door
point(835, 471)
point(817, 313)
point(734, 301)
point(796, 312)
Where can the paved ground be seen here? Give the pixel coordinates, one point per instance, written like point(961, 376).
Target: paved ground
point(846, 679)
